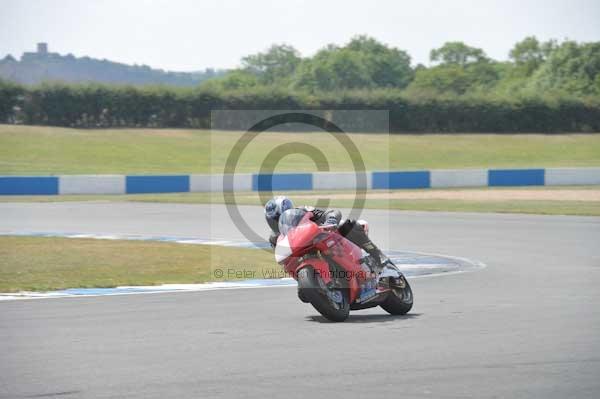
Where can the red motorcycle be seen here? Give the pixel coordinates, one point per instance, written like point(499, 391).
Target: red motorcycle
point(333, 274)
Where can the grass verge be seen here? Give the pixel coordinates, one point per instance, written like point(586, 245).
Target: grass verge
point(41, 150)
point(43, 264)
point(545, 207)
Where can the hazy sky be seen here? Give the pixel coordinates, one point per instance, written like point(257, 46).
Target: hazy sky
point(193, 34)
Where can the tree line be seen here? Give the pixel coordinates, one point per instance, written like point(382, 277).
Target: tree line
point(545, 87)
point(534, 68)
point(34, 68)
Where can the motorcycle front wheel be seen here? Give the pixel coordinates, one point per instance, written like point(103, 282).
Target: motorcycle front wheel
point(332, 304)
point(399, 300)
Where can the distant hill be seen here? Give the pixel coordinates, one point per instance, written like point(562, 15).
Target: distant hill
point(40, 66)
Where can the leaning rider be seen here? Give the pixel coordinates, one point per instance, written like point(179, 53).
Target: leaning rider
point(348, 228)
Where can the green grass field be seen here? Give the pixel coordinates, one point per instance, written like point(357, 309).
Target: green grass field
point(38, 264)
point(42, 264)
point(38, 150)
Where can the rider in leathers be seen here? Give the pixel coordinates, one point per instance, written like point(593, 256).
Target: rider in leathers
point(348, 228)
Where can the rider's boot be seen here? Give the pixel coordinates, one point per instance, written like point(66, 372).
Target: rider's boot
point(355, 233)
point(376, 254)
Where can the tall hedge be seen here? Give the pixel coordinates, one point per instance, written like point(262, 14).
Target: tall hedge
point(122, 106)
point(11, 101)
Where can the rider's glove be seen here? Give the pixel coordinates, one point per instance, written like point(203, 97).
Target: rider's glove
point(273, 239)
point(331, 219)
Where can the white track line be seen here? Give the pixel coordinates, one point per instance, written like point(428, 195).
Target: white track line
point(460, 265)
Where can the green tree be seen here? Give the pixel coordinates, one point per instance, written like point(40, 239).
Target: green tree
point(234, 80)
point(461, 69)
point(363, 63)
point(334, 69)
point(277, 63)
point(572, 68)
point(387, 66)
point(457, 53)
point(441, 79)
point(529, 54)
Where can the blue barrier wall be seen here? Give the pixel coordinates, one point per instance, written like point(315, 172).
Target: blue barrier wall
point(284, 181)
point(157, 184)
point(119, 184)
point(392, 180)
point(28, 185)
point(516, 177)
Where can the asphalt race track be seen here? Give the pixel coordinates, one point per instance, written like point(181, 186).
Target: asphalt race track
point(528, 325)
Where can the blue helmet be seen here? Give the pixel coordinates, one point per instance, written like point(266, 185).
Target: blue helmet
point(274, 208)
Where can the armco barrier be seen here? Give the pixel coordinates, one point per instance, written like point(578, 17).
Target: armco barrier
point(388, 180)
point(281, 182)
point(459, 178)
point(571, 176)
point(29, 185)
point(157, 184)
point(516, 177)
point(393, 180)
point(91, 184)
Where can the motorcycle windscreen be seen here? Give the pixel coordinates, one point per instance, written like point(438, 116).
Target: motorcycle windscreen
point(290, 219)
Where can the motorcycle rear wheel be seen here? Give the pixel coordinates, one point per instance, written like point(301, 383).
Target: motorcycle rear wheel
point(399, 300)
point(316, 293)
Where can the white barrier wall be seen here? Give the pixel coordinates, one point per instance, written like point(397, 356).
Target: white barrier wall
point(214, 183)
point(338, 181)
point(572, 176)
point(459, 178)
point(388, 180)
point(91, 184)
